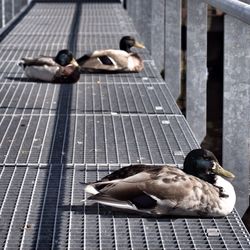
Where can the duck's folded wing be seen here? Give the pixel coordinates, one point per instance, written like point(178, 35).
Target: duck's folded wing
point(158, 193)
point(137, 202)
point(40, 61)
point(142, 191)
point(95, 64)
point(130, 170)
point(123, 194)
point(116, 53)
point(104, 60)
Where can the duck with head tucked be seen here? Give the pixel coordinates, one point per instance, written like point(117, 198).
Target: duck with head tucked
point(200, 189)
point(114, 60)
point(60, 69)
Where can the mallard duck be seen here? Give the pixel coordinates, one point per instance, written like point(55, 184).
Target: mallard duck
point(60, 69)
point(114, 60)
point(197, 190)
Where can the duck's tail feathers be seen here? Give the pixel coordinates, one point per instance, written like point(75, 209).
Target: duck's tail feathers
point(90, 189)
point(110, 201)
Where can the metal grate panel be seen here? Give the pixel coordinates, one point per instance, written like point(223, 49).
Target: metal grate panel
point(55, 137)
point(85, 98)
point(46, 212)
point(88, 138)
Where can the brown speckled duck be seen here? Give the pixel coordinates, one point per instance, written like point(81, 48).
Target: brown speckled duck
point(200, 189)
point(60, 69)
point(114, 60)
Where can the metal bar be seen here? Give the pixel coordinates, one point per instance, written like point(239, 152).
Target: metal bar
point(157, 33)
point(13, 5)
point(144, 25)
point(234, 8)
point(3, 13)
point(197, 67)
point(129, 5)
point(236, 106)
point(172, 53)
point(8, 238)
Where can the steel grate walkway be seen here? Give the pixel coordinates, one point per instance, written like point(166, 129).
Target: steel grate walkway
point(55, 137)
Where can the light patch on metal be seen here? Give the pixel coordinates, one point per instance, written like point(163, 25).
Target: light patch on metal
point(213, 232)
point(165, 122)
point(158, 108)
point(150, 87)
point(178, 153)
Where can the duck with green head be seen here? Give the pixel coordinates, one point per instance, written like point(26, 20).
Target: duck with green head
point(62, 68)
point(200, 189)
point(114, 60)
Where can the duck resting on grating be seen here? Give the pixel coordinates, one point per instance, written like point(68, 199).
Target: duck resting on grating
point(197, 190)
point(60, 69)
point(121, 60)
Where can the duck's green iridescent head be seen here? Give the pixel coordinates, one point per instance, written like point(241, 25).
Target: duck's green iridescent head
point(64, 57)
point(202, 163)
point(127, 42)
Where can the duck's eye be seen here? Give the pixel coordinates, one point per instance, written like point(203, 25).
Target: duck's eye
point(214, 166)
point(206, 159)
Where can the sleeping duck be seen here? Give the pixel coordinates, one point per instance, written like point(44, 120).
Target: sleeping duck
point(60, 69)
point(199, 190)
point(114, 60)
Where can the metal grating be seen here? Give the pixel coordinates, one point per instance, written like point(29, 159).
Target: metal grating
point(55, 137)
point(85, 98)
point(36, 213)
point(87, 138)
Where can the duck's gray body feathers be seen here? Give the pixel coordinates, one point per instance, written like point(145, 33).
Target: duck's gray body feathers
point(42, 68)
point(163, 190)
point(45, 68)
point(111, 60)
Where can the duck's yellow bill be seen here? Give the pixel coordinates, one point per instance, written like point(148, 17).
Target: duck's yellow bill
point(219, 170)
point(139, 45)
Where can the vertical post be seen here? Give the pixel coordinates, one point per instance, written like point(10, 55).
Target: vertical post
point(236, 106)
point(135, 6)
point(13, 8)
point(3, 12)
point(130, 7)
point(196, 67)
point(172, 53)
point(150, 26)
point(157, 33)
point(143, 20)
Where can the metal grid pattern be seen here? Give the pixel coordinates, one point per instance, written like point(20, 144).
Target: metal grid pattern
point(40, 18)
point(55, 137)
point(41, 217)
point(85, 98)
point(32, 139)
